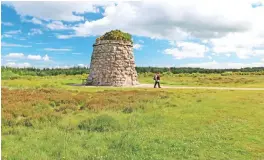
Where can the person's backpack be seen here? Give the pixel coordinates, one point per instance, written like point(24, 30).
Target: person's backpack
point(154, 78)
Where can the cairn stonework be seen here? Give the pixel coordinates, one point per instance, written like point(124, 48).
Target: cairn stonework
point(112, 64)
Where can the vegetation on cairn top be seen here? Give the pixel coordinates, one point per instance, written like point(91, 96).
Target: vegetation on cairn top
point(115, 35)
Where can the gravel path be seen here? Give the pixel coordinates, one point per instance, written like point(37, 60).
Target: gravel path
point(187, 87)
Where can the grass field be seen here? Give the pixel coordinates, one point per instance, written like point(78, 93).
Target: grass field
point(212, 80)
point(46, 118)
point(63, 81)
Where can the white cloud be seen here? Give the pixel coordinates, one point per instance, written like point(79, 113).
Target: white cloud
point(178, 20)
point(10, 64)
point(262, 60)
point(205, 41)
point(172, 43)
point(58, 49)
point(18, 65)
point(57, 25)
point(34, 57)
point(70, 66)
point(36, 21)
point(82, 65)
point(209, 57)
point(13, 32)
point(64, 36)
point(215, 54)
point(77, 53)
point(56, 11)
point(6, 36)
point(228, 54)
point(151, 18)
point(226, 65)
point(33, 20)
point(14, 45)
point(137, 46)
point(187, 50)
point(46, 58)
point(156, 19)
point(242, 44)
point(21, 39)
point(22, 56)
point(258, 52)
point(9, 60)
point(7, 23)
point(66, 66)
point(35, 31)
point(258, 3)
point(225, 25)
point(15, 55)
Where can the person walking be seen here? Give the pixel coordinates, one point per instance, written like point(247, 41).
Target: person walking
point(157, 80)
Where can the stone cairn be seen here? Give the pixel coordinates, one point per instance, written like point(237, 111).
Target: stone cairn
point(112, 64)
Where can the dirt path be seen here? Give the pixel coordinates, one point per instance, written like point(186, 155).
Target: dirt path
point(186, 87)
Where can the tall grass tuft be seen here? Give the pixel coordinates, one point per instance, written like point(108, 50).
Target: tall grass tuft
point(102, 123)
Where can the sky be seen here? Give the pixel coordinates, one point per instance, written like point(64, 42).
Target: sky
point(200, 33)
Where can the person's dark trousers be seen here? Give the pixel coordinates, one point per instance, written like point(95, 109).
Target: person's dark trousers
point(156, 82)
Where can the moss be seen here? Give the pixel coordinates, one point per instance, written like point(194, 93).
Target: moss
point(115, 35)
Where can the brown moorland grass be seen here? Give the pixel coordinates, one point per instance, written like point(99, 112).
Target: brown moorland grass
point(41, 103)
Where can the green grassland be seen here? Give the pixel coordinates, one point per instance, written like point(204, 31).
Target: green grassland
point(210, 80)
point(48, 118)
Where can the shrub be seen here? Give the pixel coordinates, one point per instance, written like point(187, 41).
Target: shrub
point(9, 75)
point(26, 123)
point(195, 75)
point(8, 122)
point(127, 110)
point(102, 123)
point(115, 35)
point(226, 74)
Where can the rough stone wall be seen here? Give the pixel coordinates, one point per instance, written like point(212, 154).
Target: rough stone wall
point(112, 64)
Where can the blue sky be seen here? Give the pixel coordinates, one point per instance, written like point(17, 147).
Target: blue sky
point(182, 34)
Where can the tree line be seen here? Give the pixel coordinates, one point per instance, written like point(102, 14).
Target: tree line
point(178, 70)
point(45, 71)
point(85, 70)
